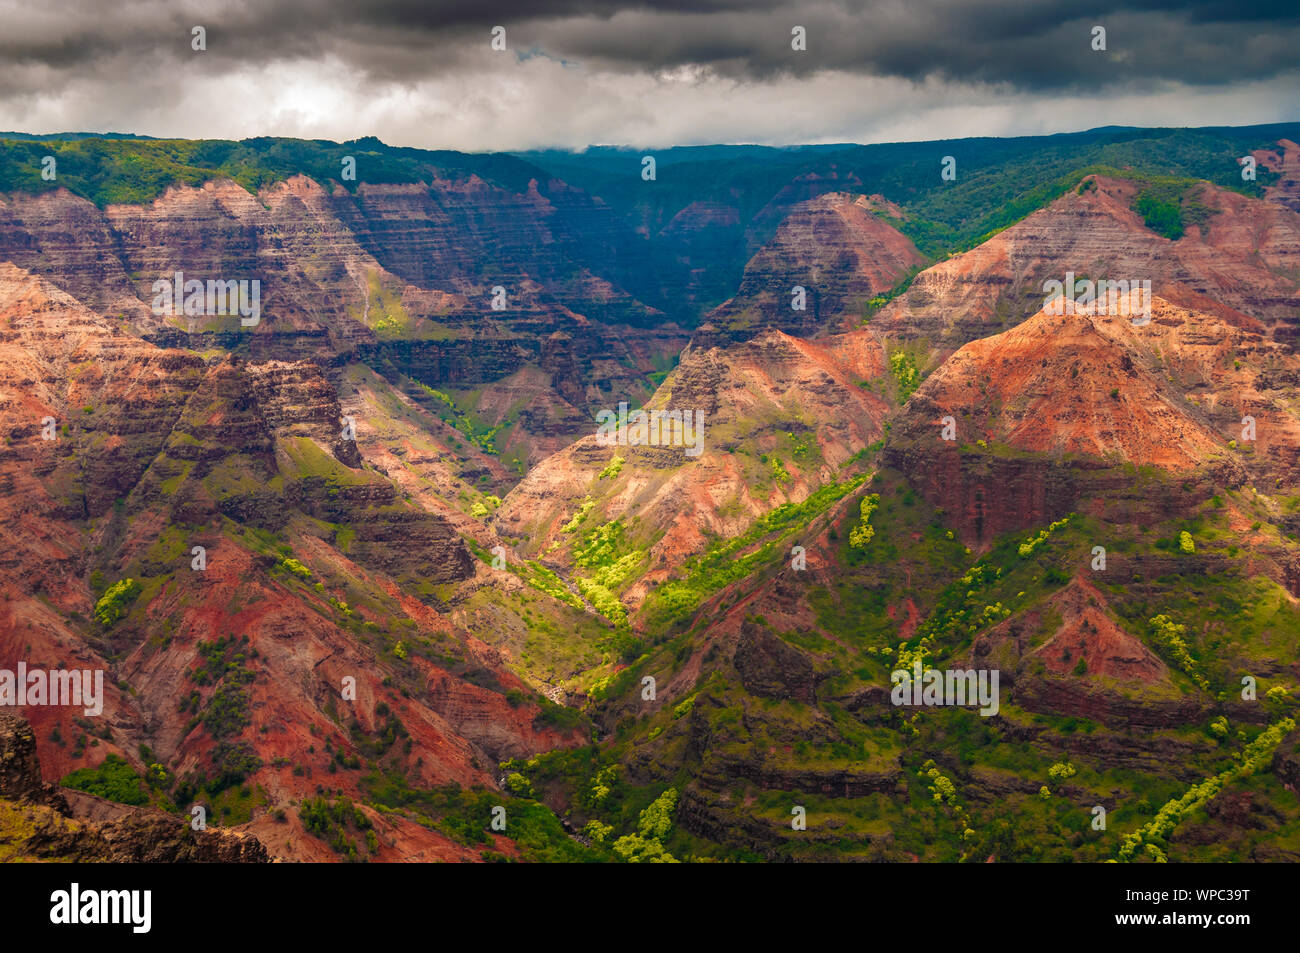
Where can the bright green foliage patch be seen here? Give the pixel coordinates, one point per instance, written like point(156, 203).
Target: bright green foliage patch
point(905, 373)
point(113, 779)
point(1152, 837)
point(861, 534)
point(112, 605)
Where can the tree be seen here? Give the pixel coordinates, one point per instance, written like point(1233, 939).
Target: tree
point(645, 847)
point(112, 604)
point(657, 819)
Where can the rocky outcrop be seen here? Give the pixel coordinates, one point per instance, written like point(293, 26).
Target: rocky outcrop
point(296, 400)
point(1018, 429)
point(37, 823)
point(20, 768)
point(1239, 264)
point(838, 249)
point(1285, 161)
point(770, 667)
point(1286, 762)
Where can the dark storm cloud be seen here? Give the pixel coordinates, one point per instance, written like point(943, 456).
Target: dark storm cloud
point(1030, 46)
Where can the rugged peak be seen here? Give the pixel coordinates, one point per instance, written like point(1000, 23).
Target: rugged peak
point(837, 249)
point(1060, 384)
point(1236, 257)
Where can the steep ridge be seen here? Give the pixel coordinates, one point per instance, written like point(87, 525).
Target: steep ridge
point(1061, 385)
point(402, 276)
point(232, 666)
point(1070, 431)
point(838, 247)
point(1090, 398)
point(1285, 161)
point(1241, 263)
point(781, 418)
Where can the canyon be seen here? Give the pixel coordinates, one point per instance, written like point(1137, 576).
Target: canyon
point(362, 572)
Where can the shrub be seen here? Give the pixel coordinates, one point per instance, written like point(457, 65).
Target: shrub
point(1060, 771)
point(114, 779)
point(905, 373)
point(113, 604)
point(291, 565)
point(860, 535)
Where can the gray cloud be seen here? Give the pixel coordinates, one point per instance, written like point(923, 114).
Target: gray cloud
point(611, 65)
point(1033, 44)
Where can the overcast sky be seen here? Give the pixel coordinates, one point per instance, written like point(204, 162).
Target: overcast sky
point(579, 72)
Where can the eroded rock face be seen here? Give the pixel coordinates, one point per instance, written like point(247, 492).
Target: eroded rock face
point(20, 769)
point(39, 824)
point(834, 247)
point(296, 400)
point(1286, 762)
point(770, 667)
point(1238, 266)
point(744, 391)
point(401, 276)
point(1284, 160)
point(1047, 416)
point(158, 451)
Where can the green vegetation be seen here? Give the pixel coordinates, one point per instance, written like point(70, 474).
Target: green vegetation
point(1028, 546)
point(778, 470)
point(478, 434)
point(292, 566)
point(723, 562)
point(579, 516)
point(905, 373)
point(485, 507)
point(113, 779)
point(384, 310)
point(335, 822)
point(1169, 636)
point(1152, 837)
point(861, 534)
point(1162, 217)
point(225, 716)
point(646, 845)
point(137, 171)
point(464, 815)
point(879, 301)
point(113, 604)
point(1168, 205)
